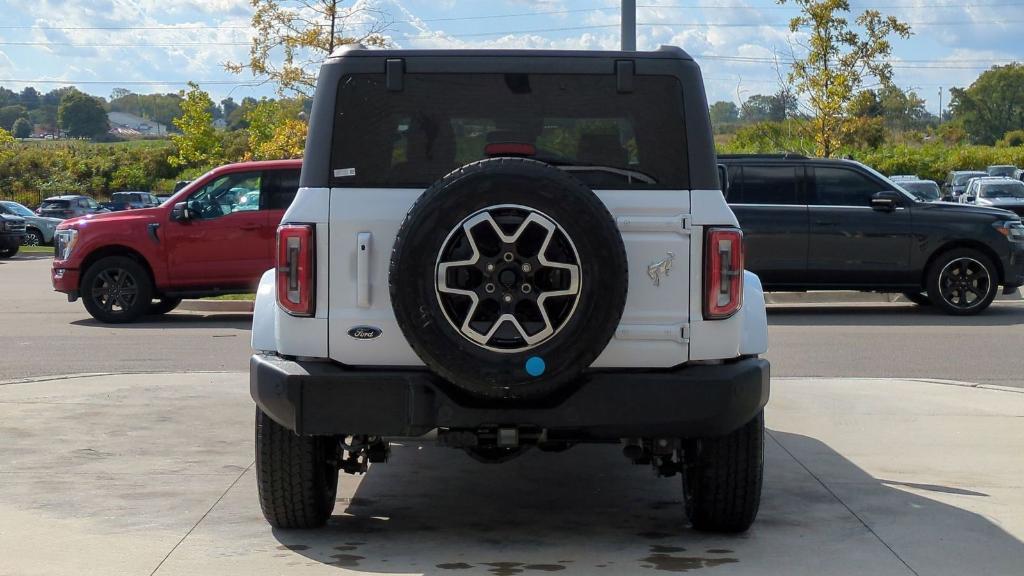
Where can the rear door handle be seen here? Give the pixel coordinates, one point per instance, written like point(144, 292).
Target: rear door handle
point(363, 243)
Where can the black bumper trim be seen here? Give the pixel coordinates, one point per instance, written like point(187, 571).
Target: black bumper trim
point(322, 398)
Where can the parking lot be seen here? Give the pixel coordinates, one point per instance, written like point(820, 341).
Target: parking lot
point(873, 465)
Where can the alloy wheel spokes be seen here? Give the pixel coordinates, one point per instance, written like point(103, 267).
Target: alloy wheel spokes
point(964, 283)
point(519, 272)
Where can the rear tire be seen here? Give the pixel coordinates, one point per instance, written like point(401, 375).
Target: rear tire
point(962, 282)
point(116, 289)
point(9, 250)
point(297, 476)
point(919, 298)
point(32, 238)
point(163, 306)
point(722, 479)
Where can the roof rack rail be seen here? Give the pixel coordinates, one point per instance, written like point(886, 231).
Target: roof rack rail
point(781, 156)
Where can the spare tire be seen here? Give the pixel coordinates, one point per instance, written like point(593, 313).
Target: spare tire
point(508, 278)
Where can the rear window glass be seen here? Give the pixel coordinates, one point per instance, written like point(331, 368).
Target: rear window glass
point(439, 122)
point(54, 205)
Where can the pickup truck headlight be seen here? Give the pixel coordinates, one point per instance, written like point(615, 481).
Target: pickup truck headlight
point(1012, 229)
point(64, 242)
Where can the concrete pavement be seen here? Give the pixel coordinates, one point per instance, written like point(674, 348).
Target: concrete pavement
point(152, 474)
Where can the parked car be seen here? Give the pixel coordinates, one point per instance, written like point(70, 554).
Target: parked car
point(131, 201)
point(923, 190)
point(899, 177)
point(161, 198)
point(998, 192)
point(1001, 170)
point(818, 224)
point(12, 232)
point(69, 206)
point(135, 262)
point(39, 229)
point(956, 183)
point(480, 235)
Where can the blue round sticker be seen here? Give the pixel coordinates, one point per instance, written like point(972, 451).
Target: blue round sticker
point(535, 366)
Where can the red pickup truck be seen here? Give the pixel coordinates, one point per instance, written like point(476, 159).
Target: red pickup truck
point(215, 236)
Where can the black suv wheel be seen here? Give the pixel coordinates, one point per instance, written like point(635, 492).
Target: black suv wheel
point(962, 282)
point(8, 250)
point(297, 476)
point(116, 289)
point(722, 478)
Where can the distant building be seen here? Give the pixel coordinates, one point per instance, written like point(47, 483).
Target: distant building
point(125, 124)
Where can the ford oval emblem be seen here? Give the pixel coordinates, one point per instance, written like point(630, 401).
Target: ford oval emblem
point(364, 332)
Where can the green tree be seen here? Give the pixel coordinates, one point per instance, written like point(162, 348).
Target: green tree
point(82, 116)
point(992, 105)
point(29, 98)
point(1012, 138)
point(275, 130)
point(10, 114)
point(292, 37)
point(22, 128)
point(723, 112)
point(198, 144)
point(768, 108)
point(227, 106)
point(6, 146)
point(838, 61)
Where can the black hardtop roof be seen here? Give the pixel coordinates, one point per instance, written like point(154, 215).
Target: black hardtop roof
point(360, 51)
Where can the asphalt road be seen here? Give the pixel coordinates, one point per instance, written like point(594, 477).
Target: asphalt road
point(42, 334)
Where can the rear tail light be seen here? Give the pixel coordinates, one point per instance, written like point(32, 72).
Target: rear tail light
point(296, 269)
point(723, 272)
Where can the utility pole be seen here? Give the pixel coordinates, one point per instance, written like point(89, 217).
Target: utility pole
point(940, 105)
point(628, 22)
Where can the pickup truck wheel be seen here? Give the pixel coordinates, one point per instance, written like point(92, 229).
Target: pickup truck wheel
point(508, 278)
point(116, 289)
point(297, 476)
point(163, 306)
point(919, 298)
point(722, 479)
point(962, 282)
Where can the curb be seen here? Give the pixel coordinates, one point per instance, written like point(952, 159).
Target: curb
point(851, 297)
point(217, 305)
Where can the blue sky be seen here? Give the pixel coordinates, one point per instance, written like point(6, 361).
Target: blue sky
point(157, 45)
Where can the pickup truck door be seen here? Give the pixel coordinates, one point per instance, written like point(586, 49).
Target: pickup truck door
point(227, 243)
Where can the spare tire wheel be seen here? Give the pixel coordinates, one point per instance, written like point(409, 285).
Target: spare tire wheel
point(508, 278)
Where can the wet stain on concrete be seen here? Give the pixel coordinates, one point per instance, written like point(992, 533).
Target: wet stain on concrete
point(719, 551)
point(346, 560)
point(654, 535)
point(504, 568)
point(345, 548)
point(455, 566)
point(293, 547)
point(354, 543)
point(667, 563)
point(657, 549)
point(545, 567)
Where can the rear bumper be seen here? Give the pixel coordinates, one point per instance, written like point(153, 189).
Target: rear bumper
point(321, 398)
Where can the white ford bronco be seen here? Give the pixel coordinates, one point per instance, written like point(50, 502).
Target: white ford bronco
point(515, 249)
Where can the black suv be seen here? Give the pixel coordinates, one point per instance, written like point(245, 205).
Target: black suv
point(819, 224)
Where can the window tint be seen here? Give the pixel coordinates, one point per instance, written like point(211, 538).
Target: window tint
point(843, 187)
point(764, 185)
point(239, 192)
point(438, 122)
point(279, 189)
point(733, 191)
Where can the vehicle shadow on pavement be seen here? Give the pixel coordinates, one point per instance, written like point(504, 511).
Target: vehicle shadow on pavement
point(172, 321)
point(435, 511)
point(889, 315)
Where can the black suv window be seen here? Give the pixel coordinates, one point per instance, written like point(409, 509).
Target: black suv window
point(279, 188)
point(763, 184)
point(438, 122)
point(843, 187)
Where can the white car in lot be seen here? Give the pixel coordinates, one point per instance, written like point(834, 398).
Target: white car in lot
point(521, 250)
point(997, 192)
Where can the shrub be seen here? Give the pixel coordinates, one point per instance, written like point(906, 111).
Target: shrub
point(1012, 138)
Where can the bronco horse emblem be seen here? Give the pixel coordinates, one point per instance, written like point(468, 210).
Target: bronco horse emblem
point(662, 268)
